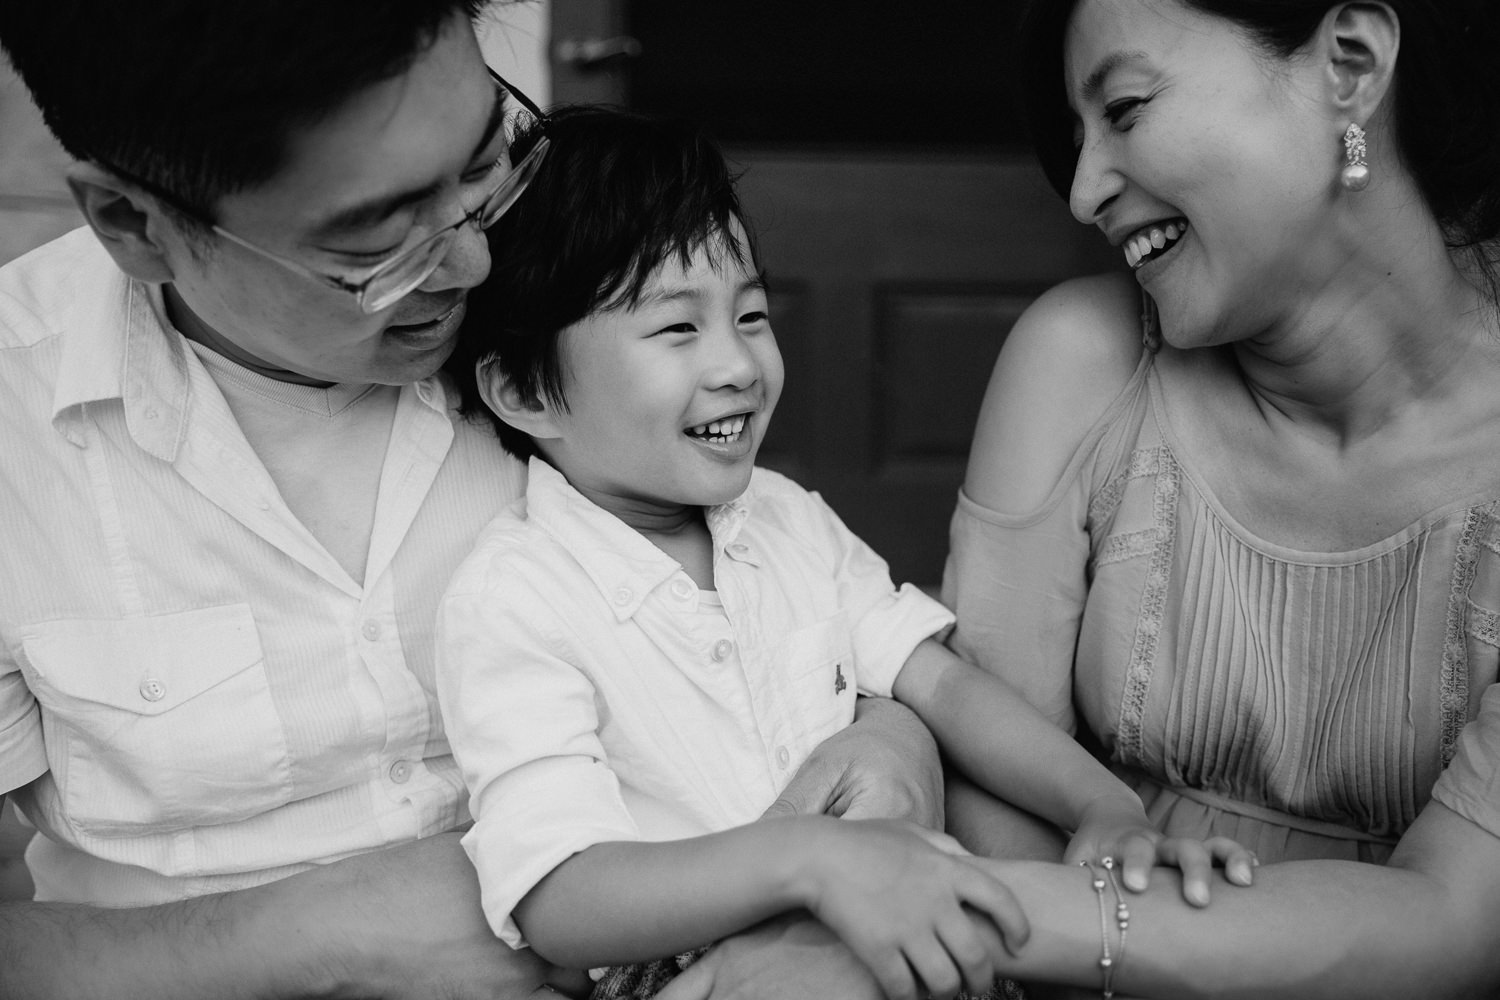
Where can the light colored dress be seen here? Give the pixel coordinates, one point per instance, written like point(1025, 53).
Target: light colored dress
point(1303, 703)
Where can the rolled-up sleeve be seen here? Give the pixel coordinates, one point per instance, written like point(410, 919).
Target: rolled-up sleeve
point(522, 722)
point(885, 622)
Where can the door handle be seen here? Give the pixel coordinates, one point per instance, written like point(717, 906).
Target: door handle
point(589, 54)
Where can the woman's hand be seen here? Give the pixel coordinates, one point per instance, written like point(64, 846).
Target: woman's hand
point(884, 766)
point(1119, 829)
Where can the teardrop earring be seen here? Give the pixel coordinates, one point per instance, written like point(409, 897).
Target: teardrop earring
point(1356, 174)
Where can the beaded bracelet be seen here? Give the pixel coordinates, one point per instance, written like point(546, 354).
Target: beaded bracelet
point(1109, 963)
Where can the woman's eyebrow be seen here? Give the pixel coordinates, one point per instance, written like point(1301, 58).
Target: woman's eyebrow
point(1094, 82)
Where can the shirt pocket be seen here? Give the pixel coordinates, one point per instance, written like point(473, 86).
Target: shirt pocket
point(159, 723)
point(818, 661)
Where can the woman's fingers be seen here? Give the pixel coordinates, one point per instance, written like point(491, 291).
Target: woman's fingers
point(1196, 863)
point(1238, 862)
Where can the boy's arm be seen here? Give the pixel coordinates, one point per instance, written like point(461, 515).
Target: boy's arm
point(892, 891)
point(1006, 745)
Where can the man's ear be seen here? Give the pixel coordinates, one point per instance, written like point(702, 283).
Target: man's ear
point(535, 417)
point(129, 224)
point(1358, 43)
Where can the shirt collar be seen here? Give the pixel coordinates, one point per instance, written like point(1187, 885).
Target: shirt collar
point(117, 345)
point(619, 560)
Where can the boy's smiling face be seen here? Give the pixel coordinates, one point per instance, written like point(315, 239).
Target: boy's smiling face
point(668, 401)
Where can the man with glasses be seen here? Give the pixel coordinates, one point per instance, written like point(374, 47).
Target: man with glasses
point(232, 489)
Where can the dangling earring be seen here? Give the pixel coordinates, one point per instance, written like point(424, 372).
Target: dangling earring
point(1356, 174)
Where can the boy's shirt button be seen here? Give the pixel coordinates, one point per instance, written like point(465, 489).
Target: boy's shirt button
point(738, 549)
point(623, 596)
point(682, 588)
point(722, 649)
point(782, 757)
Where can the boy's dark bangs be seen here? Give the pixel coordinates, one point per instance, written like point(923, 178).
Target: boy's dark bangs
point(714, 232)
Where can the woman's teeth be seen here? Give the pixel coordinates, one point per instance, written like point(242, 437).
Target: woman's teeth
point(719, 431)
point(1149, 243)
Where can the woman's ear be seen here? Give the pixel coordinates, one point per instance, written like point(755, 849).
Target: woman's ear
point(1358, 43)
point(533, 417)
point(129, 224)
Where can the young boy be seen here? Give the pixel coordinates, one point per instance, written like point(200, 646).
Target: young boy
point(634, 661)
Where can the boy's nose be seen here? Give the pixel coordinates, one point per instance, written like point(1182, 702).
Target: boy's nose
point(735, 365)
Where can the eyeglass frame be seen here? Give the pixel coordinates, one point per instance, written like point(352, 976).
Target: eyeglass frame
point(359, 286)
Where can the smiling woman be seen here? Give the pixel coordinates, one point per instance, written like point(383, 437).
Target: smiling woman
point(1232, 517)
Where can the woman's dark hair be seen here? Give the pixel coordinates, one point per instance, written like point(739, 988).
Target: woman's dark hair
point(1446, 94)
point(616, 196)
point(199, 98)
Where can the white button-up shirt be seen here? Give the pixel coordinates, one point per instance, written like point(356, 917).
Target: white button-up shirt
point(208, 697)
point(589, 697)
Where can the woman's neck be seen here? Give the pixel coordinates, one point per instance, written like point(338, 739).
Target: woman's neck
point(1389, 330)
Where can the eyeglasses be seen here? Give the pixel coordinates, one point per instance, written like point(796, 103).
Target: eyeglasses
point(380, 285)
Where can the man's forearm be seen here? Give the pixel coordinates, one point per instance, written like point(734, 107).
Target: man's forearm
point(213, 946)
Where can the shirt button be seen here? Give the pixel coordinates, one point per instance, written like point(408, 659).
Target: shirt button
point(623, 596)
point(153, 689)
point(682, 588)
point(370, 629)
point(400, 771)
point(739, 548)
point(722, 649)
point(782, 757)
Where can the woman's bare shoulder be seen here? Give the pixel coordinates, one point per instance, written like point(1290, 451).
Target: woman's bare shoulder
point(1064, 362)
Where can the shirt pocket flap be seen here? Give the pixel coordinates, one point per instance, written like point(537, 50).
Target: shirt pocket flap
point(146, 666)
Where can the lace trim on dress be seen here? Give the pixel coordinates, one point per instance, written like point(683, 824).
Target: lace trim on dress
point(1119, 548)
point(1143, 462)
point(1483, 625)
point(1455, 675)
point(1130, 740)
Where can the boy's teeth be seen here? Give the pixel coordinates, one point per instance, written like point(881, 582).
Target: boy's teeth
point(720, 428)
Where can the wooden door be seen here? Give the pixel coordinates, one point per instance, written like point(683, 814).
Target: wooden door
point(902, 221)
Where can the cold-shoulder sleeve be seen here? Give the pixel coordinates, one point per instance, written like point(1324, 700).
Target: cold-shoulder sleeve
point(1018, 582)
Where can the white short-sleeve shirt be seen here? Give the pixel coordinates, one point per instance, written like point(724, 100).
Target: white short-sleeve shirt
point(589, 698)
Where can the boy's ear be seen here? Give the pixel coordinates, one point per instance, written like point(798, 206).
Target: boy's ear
point(1358, 43)
point(500, 394)
point(131, 227)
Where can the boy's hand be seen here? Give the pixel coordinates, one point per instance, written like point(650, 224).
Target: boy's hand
point(1119, 829)
point(901, 898)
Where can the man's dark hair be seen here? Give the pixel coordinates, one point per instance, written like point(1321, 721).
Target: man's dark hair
point(617, 195)
point(199, 98)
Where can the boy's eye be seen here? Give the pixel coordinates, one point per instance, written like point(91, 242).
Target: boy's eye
point(758, 316)
point(678, 328)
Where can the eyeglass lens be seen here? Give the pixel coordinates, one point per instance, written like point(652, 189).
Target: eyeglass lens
point(409, 271)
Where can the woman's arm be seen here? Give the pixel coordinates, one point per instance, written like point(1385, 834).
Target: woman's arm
point(1425, 925)
point(403, 924)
